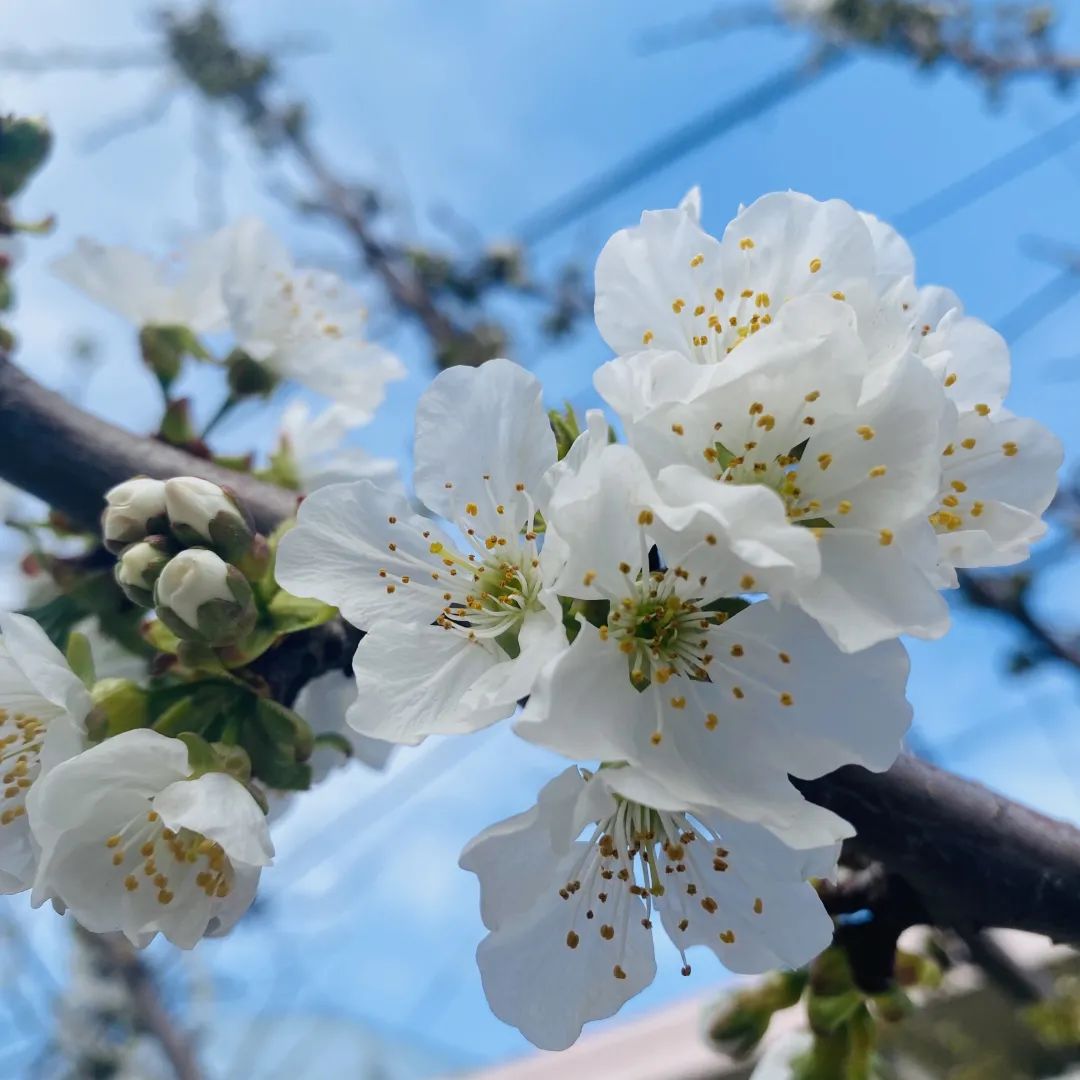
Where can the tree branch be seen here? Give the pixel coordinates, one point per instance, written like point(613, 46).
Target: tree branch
point(973, 858)
point(119, 956)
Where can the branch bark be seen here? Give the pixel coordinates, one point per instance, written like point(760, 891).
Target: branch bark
point(974, 858)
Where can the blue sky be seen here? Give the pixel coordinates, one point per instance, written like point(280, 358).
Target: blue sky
point(492, 109)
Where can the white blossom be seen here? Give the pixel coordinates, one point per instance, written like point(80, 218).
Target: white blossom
point(304, 325)
point(570, 889)
point(132, 841)
point(455, 630)
point(43, 709)
point(999, 471)
point(182, 289)
point(720, 707)
point(315, 448)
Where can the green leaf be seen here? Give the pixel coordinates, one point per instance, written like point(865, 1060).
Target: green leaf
point(827, 1014)
point(80, 659)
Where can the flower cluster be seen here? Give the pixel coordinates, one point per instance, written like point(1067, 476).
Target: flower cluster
point(814, 444)
point(283, 322)
point(197, 591)
point(131, 834)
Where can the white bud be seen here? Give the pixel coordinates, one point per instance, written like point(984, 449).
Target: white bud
point(201, 597)
point(134, 510)
point(193, 503)
point(138, 568)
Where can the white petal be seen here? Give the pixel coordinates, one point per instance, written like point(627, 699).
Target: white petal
point(221, 809)
point(480, 434)
point(518, 860)
point(643, 271)
point(1011, 473)
point(548, 991)
point(43, 665)
point(789, 231)
point(868, 592)
point(342, 541)
point(415, 680)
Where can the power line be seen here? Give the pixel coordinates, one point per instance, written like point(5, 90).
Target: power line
point(676, 144)
point(988, 177)
point(1039, 305)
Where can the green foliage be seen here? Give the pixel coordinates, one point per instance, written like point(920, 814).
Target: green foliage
point(24, 146)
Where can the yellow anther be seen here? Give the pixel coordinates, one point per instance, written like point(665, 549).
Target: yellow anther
point(678, 305)
point(786, 699)
point(589, 578)
point(885, 537)
point(878, 471)
point(746, 243)
point(1010, 449)
point(747, 582)
point(645, 517)
point(865, 431)
point(950, 379)
point(737, 691)
point(678, 703)
point(824, 460)
point(719, 294)
point(656, 738)
point(711, 720)
point(471, 509)
point(647, 337)
point(958, 485)
point(844, 506)
point(697, 260)
point(968, 444)
point(983, 410)
point(839, 295)
point(131, 883)
point(815, 265)
point(728, 937)
point(699, 310)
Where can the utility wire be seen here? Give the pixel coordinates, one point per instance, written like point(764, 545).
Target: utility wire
point(988, 177)
point(669, 148)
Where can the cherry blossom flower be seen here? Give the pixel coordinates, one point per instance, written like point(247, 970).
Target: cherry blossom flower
point(720, 707)
point(455, 630)
point(43, 709)
point(304, 325)
point(131, 840)
point(572, 889)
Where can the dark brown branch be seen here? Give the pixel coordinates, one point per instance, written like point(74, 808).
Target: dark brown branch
point(972, 858)
point(69, 458)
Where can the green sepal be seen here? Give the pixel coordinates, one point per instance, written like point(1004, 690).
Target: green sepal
point(279, 743)
point(335, 741)
point(727, 605)
point(80, 659)
point(827, 1013)
point(233, 760)
point(120, 705)
point(164, 349)
point(201, 756)
point(24, 145)
point(289, 613)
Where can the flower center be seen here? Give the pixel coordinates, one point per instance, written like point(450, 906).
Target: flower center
point(640, 856)
point(186, 858)
point(21, 738)
point(661, 633)
point(496, 596)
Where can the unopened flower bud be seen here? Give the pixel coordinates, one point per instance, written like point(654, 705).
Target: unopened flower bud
point(135, 509)
point(139, 567)
point(204, 513)
point(24, 145)
point(200, 597)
